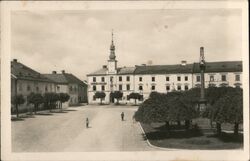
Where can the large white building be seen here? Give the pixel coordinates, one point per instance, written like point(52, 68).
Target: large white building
point(144, 79)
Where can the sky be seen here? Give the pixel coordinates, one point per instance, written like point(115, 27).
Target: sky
point(78, 41)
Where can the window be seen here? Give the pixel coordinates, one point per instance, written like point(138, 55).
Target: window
point(37, 89)
point(140, 79)
point(94, 88)
point(223, 78)
point(94, 98)
point(58, 88)
point(186, 87)
point(28, 88)
point(94, 79)
point(153, 79)
point(111, 79)
point(46, 88)
point(178, 78)
point(237, 77)
point(167, 78)
point(128, 87)
point(120, 87)
point(178, 87)
point(140, 88)
point(103, 88)
point(167, 87)
point(120, 78)
point(128, 78)
point(211, 78)
point(153, 87)
point(103, 79)
point(186, 78)
point(198, 78)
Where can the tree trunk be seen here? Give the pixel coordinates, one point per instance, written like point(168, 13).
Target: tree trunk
point(101, 101)
point(218, 127)
point(118, 101)
point(17, 113)
point(179, 123)
point(167, 125)
point(35, 106)
point(135, 101)
point(187, 124)
point(236, 128)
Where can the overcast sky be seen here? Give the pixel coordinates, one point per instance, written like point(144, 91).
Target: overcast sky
point(79, 41)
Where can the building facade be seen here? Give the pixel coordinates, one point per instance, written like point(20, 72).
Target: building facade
point(144, 79)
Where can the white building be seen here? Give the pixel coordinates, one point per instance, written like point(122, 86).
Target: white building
point(144, 79)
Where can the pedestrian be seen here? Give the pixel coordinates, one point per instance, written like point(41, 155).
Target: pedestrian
point(87, 122)
point(122, 116)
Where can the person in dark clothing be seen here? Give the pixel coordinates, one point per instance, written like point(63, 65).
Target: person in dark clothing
point(87, 122)
point(122, 116)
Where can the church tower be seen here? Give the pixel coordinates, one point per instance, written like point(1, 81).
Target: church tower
point(112, 62)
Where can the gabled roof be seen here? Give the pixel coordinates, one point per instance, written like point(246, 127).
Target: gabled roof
point(163, 69)
point(21, 71)
point(64, 78)
point(225, 66)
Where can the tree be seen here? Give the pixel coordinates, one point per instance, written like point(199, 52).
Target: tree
point(63, 97)
point(117, 95)
point(135, 96)
point(36, 99)
point(17, 100)
point(50, 99)
point(100, 95)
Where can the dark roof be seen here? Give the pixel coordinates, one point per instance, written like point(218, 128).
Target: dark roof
point(102, 71)
point(123, 70)
point(163, 69)
point(21, 71)
point(64, 78)
point(225, 66)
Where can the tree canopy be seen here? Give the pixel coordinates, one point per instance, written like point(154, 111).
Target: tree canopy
point(100, 95)
point(36, 99)
point(117, 95)
point(135, 96)
point(17, 101)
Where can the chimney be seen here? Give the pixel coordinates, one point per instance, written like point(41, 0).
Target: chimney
point(53, 72)
point(104, 66)
point(63, 71)
point(14, 60)
point(183, 62)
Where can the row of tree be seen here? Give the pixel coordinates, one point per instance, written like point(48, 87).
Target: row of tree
point(224, 105)
point(49, 100)
point(118, 96)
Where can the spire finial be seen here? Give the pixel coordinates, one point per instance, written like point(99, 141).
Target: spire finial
point(112, 35)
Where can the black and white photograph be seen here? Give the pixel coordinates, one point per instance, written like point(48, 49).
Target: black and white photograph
point(124, 81)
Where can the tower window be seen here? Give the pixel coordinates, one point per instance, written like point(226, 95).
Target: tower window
point(223, 78)
point(128, 78)
point(140, 79)
point(237, 77)
point(178, 78)
point(94, 79)
point(198, 78)
point(153, 87)
point(186, 78)
point(140, 88)
point(153, 79)
point(103, 79)
point(120, 87)
point(94, 88)
point(128, 87)
point(167, 87)
point(120, 78)
point(167, 78)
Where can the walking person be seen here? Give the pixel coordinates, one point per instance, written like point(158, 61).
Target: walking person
point(87, 122)
point(122, 116)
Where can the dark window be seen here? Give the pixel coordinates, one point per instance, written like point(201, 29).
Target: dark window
point(128, 78)
point(120, 78)
point(198, 78)
point(103, 79)
point(153, 87)
point(128, 87)
point(178, 87)
point(178, 78)
point(120, 87)
point(186, 78)
point(186, 87)
point(167, 88)
point(111, 79)
point(153, 79)
point(140, 88)
point(140, 79)
point(167, 78)
point(94, 88)
point(211, 78)
point(94, 79)
point(237, 77)
point(103, 88)
point(223, 78)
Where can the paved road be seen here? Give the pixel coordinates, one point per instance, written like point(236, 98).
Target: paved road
point(67, 131)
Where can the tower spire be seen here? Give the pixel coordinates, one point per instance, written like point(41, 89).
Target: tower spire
point(112, 47)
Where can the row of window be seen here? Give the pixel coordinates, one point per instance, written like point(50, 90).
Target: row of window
point(198, 78)
point(120, 87)
point(28, 88)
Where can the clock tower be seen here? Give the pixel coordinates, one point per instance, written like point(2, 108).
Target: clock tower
point(112, 62)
